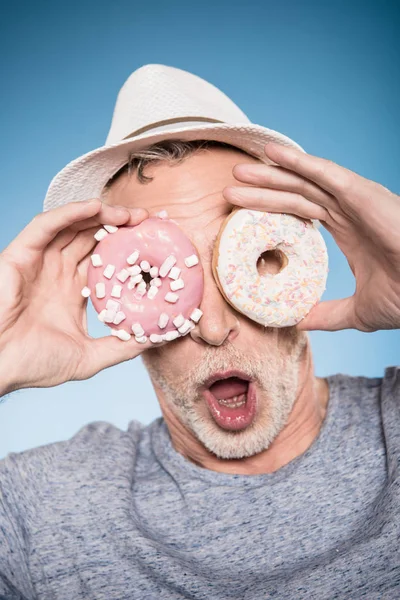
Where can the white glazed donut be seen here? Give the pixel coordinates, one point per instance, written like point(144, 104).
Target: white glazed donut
point(273, 300)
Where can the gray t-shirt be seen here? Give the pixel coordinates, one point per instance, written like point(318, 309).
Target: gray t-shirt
point(115, 515)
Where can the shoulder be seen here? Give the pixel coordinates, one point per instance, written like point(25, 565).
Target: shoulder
point(354, 384)
point(368, 395)
point(95, 448)
point(374, 398)
point(356, 389)
point(390, 399)
point(391, 381)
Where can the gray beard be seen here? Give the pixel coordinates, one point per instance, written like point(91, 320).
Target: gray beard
point(276, 376)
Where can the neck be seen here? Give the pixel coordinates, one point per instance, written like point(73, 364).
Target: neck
point(300, 431)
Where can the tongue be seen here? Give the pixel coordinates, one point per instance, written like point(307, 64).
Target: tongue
point(227, 388)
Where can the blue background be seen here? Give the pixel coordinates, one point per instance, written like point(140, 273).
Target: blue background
point(323, 73)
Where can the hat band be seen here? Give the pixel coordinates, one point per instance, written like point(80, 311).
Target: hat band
point(160, 125)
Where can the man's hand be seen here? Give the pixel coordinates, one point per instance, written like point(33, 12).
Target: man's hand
point(43, 332)
point(362, 216)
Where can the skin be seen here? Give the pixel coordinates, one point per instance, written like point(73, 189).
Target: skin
point(43, 331)
point(362, 216)
point(43, 327)
point(292, 402)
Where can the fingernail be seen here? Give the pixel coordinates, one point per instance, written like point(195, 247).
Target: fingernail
point(231, 191)
point(270, 146)
point(239, 170)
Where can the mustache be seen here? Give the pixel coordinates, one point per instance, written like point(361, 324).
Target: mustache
point(221, 358)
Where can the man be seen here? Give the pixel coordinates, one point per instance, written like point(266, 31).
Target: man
point(302, 503)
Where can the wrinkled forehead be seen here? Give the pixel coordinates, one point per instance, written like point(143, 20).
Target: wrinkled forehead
point(190, 191)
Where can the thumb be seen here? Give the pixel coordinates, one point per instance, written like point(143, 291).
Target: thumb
point(331, 315)
point(109, 351)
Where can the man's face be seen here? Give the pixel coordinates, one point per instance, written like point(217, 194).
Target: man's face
point(224, 340)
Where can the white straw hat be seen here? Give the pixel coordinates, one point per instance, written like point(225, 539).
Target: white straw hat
point(157, 103)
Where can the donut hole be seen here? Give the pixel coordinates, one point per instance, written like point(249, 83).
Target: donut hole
point(147, 278)
point(271, 262)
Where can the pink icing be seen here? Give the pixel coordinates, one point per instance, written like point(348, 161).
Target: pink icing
point(156, 239)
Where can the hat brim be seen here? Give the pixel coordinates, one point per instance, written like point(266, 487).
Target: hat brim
point(86, 176)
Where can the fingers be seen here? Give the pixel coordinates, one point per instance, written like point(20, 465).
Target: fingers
point(82, 243)
point(82, 269)
point(107, 215)
point(327, 174)
point(275, 201)
point(278, 178)
point(44, 228)
point(109, 351)
point(331, 315)
point(113, 215)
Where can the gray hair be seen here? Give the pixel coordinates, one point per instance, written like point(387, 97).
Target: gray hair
point(168, 150)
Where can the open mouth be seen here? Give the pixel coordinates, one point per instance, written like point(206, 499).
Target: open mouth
point(231, 398)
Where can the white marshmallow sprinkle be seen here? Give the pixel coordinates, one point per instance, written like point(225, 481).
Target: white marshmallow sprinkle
point(112, 305)
point(156, 281)
point(171, 335)
point(96, 260)
point(163, 320)
point(167, 265)
point(100, 235)
point(141, 339)
point(110, 228)
point(132, 258)
point(145, 266)
point(174, 273)
point(153, 272)
point(86, 292)
point(177, 285)
point(153, 291)
point(179, 321)
point(123, 275)
point(116, 291)
point(141, 288)
point(171, 297)
point(192, 260)
point(110, 315)
point(101, 315)
point(196, 315)
point(135, 270)
point(137, 329)
point(131, 284)
point(109, 271)
point(100, 290)
point(186, 327)
point(155, 338)
point(137, 278)
point(119, 317)
point(134, 280)
point(121, 334)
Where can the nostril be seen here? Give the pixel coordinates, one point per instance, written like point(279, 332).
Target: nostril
point(272, 262)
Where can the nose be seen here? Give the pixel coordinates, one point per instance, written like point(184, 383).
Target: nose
point(219, 323)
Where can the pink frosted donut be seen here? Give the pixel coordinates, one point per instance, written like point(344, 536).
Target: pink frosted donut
point(146, 281)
